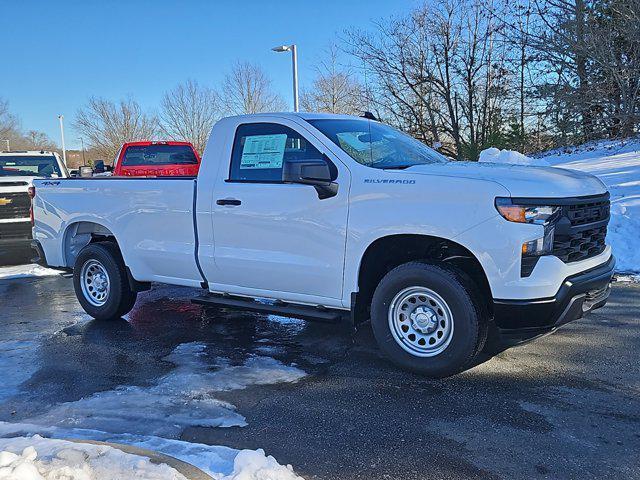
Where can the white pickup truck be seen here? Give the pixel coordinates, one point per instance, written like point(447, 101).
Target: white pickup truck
point(330, 215)
point(18, 169)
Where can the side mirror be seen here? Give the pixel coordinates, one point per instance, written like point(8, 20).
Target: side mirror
point(315, 172)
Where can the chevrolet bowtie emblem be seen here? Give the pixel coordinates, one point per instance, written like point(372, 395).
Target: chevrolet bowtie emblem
point(5, 201)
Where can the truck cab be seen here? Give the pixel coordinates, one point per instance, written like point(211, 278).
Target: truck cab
point(18, 169)
point(157, 159)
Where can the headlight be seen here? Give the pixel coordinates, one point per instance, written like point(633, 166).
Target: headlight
point(539, 215)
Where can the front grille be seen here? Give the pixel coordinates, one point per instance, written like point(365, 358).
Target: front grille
point(581, 229)
point(14, 205)
point(13, 184)
point(15, 231)
point(580, 245)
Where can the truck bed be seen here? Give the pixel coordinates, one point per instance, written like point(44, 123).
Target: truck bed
point(152, 216)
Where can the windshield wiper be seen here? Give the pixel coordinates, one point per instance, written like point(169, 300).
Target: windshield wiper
point(397, 167)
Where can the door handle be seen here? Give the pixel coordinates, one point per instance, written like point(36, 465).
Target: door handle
point(228, 201)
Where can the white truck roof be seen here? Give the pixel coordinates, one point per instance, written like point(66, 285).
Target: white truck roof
point(28, 153)
point(302, 115)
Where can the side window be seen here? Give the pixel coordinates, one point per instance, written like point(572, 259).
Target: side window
point(261, 149)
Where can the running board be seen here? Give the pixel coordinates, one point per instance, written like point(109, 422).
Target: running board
point(304, 312)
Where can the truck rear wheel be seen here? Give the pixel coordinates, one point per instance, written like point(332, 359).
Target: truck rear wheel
point(425, 319)
point(100, 282)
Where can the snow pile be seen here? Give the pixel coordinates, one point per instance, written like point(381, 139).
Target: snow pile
point(495, 155)
point(255, 465)
point(26, 271)
point(617, 164)
point(222, 463)
point(216, 460)
point(38, 458)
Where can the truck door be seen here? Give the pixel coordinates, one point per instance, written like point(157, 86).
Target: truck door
point(279, 238)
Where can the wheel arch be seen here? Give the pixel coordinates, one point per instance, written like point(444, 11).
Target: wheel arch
point(79, 234)
point(387, 252)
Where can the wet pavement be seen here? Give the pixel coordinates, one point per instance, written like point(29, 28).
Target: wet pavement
point(564, 406)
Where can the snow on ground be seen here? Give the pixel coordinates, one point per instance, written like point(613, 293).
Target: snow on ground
point(184, 397)
point(254, 465)
point(222, 463)
point(26, 271)
point(617, 164)
point(153, 417)
point(38, 458)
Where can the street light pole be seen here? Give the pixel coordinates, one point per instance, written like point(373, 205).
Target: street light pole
point(64, 150)
point(84, 162)
point(294, 60)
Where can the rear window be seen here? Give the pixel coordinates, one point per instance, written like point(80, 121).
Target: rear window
point(26, 166)
point(159, 155)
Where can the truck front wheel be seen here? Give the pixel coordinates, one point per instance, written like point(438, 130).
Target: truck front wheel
point(425, 319)
point(100, 282)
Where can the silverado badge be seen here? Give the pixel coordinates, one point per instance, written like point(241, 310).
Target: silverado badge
point(5, 201)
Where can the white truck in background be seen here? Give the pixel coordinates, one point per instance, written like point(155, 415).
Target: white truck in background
point(329, 215)
point(18, 169)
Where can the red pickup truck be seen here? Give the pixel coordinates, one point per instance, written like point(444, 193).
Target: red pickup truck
point(157, 159)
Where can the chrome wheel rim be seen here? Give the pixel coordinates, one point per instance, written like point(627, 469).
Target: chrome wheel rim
point(95, 283)
point(420, 321)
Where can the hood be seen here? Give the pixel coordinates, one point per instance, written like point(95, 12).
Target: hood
point(521, 181)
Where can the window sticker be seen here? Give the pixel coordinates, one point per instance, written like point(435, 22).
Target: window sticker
point(263, 151)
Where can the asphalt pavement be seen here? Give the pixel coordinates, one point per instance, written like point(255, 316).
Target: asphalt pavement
point(564, 406)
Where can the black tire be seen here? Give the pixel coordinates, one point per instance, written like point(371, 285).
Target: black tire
point(469, 322)
point(120, 299)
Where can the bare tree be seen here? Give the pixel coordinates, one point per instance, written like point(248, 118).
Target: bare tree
point(35, 140)
point(335, 89)
point(11, 131)
point(188, 113)
point(107, 125)
point(248, 89)
point(584, 57)
point(438, 74)
point(612, 39)
point(8, 122)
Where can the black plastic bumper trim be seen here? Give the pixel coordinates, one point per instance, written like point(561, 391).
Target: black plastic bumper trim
point(578, 295)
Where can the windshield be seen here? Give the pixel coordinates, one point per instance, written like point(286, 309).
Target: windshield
point(29, 166)
point(376, 145)
point(137, 155)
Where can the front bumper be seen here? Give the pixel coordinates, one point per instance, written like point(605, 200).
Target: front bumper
point(15, 232)
point(15, 238)
point(577, 296)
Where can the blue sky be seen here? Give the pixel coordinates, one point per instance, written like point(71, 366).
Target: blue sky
point(58, 53)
